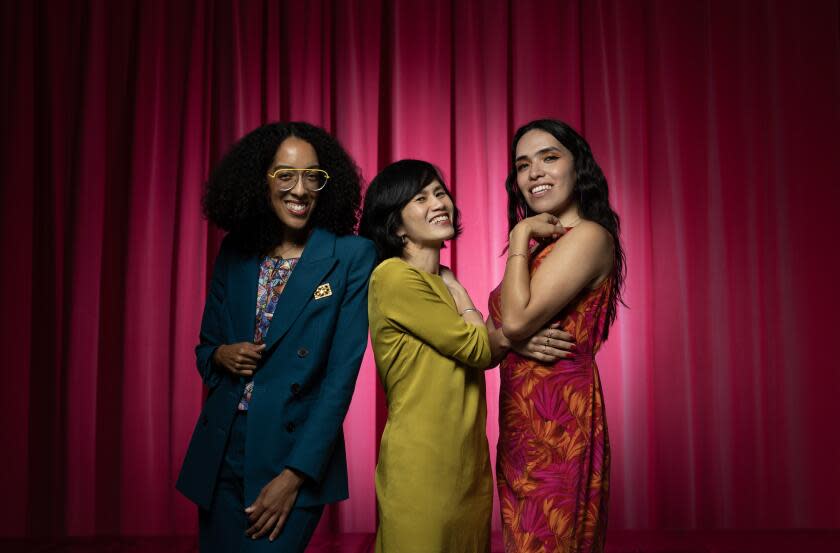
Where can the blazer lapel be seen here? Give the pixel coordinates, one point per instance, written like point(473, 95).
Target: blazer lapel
point(243, 296)
point(317, 260)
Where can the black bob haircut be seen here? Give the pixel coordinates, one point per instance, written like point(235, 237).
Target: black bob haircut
point(388, 194)
point(237, 197)
point(591, 193)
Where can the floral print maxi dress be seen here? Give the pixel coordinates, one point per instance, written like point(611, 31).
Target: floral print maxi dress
point(553, 457)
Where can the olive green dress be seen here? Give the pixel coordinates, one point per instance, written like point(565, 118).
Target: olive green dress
point(433, 482)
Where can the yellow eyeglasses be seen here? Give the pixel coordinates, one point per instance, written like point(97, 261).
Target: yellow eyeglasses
point(313, 179)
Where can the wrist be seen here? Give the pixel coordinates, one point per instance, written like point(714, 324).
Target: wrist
point(214, 358)
point(521, 228)
point(293, 477)
point(519, 238)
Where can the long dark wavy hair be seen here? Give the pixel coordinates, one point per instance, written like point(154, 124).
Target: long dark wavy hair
point(591, 194)
point(388, 194)
point(237, 197)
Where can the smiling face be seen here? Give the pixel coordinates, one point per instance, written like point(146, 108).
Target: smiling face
point(428, 218)
point(544, 172)
point(293, 207)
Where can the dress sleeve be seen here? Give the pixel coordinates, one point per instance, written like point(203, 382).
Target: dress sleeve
point(410, 303)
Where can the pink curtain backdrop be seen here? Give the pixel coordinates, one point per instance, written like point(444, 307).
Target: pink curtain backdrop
point(715, 121)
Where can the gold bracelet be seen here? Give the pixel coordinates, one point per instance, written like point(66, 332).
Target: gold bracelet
point(472, 309)
point(524, 255)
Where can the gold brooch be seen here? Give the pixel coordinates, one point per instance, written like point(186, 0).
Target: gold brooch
point(323, 291)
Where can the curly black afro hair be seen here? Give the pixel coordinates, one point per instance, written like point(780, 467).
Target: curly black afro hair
point(237, 196)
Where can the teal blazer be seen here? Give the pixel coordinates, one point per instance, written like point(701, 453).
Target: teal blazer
point(305, 380)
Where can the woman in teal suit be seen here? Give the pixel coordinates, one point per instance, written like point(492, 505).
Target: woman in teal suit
point(282, 337)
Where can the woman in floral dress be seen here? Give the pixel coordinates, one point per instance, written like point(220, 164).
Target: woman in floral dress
point(564, 272)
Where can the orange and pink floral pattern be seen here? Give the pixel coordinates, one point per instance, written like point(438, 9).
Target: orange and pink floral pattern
point(552, 466)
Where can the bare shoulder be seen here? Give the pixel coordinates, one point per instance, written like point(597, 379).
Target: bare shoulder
point(587, 238)
point(591, 233)
point(587, 248)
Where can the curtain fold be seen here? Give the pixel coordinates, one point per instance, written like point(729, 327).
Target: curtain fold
point(715, 123)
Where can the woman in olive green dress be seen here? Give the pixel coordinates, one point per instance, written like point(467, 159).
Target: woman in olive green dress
point(433, 482)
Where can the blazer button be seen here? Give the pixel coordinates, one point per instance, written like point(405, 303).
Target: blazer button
point(290, 427)
point(295, 388)
point(302, 352)
point(204, 420)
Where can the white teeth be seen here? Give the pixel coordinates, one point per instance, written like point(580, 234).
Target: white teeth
point(540, 188)
point(295, 207)
point(440, 219)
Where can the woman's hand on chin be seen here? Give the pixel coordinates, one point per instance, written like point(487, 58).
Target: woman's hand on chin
point(544, 225)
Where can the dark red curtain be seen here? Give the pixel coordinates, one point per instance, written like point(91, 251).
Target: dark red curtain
point(715, 121)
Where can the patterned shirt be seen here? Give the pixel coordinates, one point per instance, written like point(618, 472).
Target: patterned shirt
point(274, 274)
